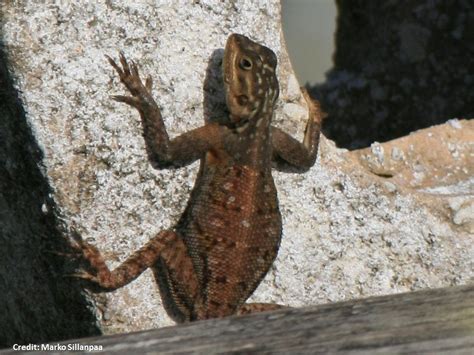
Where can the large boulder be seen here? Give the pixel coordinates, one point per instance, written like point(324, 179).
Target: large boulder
point(348, 230)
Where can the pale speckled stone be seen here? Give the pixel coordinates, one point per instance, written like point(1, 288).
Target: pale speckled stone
point(295, 112)
point(465, 214)
point(94, 151)
point(378, 152)
point(343, 237)
point(294, 92)
point(397, 154)
point(390, 186)
point(462, 208)
point(454, 122)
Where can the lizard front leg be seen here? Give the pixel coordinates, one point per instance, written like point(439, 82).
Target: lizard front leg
point(300, 155)
point(154, 131)
point(162, 151)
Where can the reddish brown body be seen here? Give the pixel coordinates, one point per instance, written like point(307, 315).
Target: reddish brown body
point(230, 232)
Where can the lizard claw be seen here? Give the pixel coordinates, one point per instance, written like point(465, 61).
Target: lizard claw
point(75, 254)
point(84, 275)
point(129, 100)
point(130, 77)
point(134, 70)
point(114, 65)
point(123, 61)
point(149, 83)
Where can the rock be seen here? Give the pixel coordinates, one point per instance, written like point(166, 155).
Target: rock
point(293, 92)
point(378, 152)
point(454, 123)
point(93, 153)
point(390, 187)
point(462, 208)
point(427, 159)
point(295, 111)
point(346, 234)
point(413, 42)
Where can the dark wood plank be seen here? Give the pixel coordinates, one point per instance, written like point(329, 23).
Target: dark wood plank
point(430, 321)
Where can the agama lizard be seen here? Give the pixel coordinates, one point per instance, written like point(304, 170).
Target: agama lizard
point(229, 234)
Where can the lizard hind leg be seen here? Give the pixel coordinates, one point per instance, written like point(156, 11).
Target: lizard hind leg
point(102, 279)
point(178, 282)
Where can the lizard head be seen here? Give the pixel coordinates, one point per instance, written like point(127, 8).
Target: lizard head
point(251, 84)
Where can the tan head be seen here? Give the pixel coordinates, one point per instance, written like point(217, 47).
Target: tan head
point(251, 85)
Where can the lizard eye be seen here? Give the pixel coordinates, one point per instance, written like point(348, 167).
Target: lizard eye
point(245, 64)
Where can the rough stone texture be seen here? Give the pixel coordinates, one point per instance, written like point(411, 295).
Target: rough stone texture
point(399, 67)
point(347, 232)
point(94, 154)
point(37, 303)
point(438, 162)
point(439, 156)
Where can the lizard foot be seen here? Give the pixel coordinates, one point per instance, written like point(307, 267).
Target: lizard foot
point(84, 275)
point(94, 269)
point(313, 106)
point(130, 77)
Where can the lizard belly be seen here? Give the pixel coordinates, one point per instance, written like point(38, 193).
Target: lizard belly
point(234, 240)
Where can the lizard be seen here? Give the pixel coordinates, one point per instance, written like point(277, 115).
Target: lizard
point(229, 234)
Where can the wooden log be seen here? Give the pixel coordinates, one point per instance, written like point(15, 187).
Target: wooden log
point(428, 321)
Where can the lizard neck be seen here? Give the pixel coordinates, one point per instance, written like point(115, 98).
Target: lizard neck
point(254, 141)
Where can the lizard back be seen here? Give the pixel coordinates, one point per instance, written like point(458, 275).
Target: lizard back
point(232, 224)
